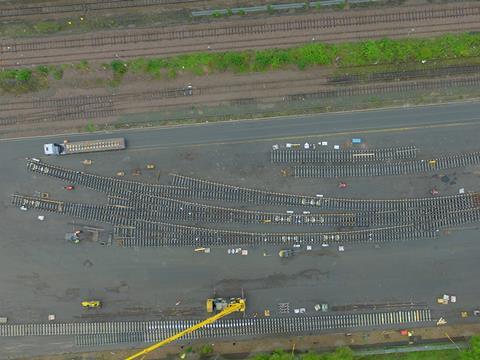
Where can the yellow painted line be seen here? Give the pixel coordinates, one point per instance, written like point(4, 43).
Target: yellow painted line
point(323, 135)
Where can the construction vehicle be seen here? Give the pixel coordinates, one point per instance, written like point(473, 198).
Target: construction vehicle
point(220, 304)
point(236, 305)
point(91, 304)
point(78, 147)
point(285, 253)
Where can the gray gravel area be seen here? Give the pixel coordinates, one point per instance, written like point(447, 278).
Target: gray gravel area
point(41, 274)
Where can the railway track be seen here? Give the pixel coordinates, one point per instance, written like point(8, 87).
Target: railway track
point(107, 185)
point(385, 88)
point(134, 230)
point(184, 186)
point(146, 234)
point(224, 327)
point(163, 234)
point(334, 156)
point(402, 75)
point(222, 44)
point(187, 187)
point(84, 7)
point(389, 169)
point(84, 107)
point(164, 34)
point(265, 326)
point(154, 208)
point(81, 107)
point(129, 213)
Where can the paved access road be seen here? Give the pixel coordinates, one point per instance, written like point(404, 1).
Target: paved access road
point(40, 274)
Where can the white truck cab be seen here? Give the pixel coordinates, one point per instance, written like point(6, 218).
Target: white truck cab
point(52, 149)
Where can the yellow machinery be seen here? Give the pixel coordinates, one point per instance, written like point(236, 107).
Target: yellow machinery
point(219, 304)
point(91, 304)
point(236, 304)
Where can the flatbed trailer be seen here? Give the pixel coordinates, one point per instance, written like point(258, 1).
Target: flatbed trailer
point(86, 146)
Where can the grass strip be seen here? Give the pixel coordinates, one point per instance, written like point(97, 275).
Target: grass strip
point(370, 52)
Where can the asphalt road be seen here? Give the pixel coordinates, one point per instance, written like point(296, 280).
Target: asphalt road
point(40, 274)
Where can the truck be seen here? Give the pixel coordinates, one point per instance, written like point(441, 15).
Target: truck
point(86, 146)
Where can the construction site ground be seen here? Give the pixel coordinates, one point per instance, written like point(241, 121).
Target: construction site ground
point(43, 274)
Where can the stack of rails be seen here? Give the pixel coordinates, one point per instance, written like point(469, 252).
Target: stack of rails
point(389, 169)
point(113, 332)
point(336, 156)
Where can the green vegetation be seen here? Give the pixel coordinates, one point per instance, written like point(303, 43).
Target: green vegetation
point(19, 81)
point(206, 350)
point(47, 27)
point(385, 51)
point(42, 70)
point(118, 67)
point(339, 354)
point(423, 355)
point(472, 353)
point(83, 65)
point(57, 72)
point(23, 75)
point(90, 127)
point(55, 26)
point(461, 48)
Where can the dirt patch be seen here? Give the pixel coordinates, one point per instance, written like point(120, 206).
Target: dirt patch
point(273, 281)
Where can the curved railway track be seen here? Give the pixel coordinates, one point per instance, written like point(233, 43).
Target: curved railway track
point(389, 169)
point(188, 187)
point(156, 208)
point(146, 234)
point(133, 228)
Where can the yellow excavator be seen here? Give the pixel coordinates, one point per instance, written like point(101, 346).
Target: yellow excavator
point(221, 305)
